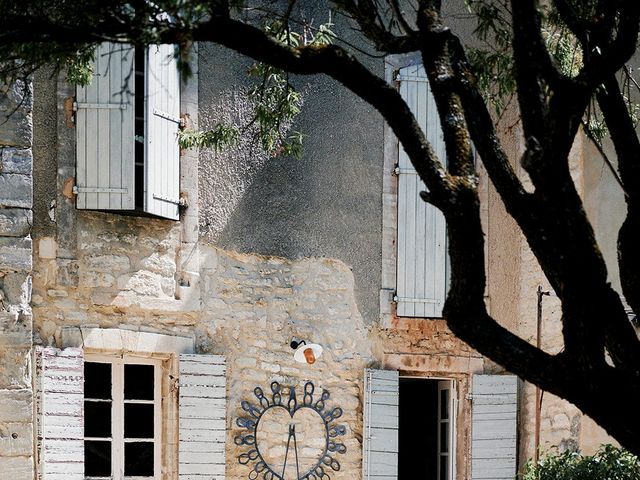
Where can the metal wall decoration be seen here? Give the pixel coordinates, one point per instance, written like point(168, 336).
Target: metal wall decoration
point(284, 397)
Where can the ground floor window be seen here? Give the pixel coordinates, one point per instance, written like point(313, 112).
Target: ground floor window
point(122, 417)
point(426, 430)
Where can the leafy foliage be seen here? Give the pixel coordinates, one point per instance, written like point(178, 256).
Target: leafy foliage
point(608, 463)
point(276, 101)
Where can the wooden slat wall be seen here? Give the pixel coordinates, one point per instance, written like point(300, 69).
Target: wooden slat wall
point(105, 136)
point(494, 427)
point(60, 411)
point(202, 426)
point(380, 443)
point(162, 161)
point(422, 238)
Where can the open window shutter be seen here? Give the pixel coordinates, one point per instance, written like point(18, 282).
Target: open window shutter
point(380, 443)
point(60, 411)
point(163, 119)
point(422, 236)
point(105, 132)
point(493, 447)
point(202, 429)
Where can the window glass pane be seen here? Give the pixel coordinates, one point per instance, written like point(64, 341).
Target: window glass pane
point(444, 468)
point(138, 420)
point(138, 382)
point(97, 380)
point(97, 458)
point(444, 437)
point(444, 404)
point(138, 458)
point(97, 419)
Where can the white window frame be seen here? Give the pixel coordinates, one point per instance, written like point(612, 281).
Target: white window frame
point(117, 413)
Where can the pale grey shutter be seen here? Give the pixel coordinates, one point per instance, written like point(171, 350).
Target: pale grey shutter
point(105, 132)
point(380, 443)
point(493, 446)
point(162, 156)
point(60, 411)
point(422, 236)
point(202, 429)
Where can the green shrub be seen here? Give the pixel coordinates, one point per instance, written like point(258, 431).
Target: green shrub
point(608, 463)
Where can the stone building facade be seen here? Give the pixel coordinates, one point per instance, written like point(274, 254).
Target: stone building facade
point(267, 250)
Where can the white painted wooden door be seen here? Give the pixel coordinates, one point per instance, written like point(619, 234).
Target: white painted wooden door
point(421, 282)
point(162, 154)
point(202, 424)
point(105, 132)
point(493, 446)
point(59, 413)
point(381, 421)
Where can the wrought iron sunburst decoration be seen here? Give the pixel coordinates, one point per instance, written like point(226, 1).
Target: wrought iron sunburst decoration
point(316, 412)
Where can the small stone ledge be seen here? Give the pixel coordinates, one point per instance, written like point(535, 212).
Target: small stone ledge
point(121, 340)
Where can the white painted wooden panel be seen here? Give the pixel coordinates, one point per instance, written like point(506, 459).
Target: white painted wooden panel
point(381, 408)
point(60, 411)
point(105, 132)
point(493, 448)
point(202, 423)
point(162, 155)
point(422, 238)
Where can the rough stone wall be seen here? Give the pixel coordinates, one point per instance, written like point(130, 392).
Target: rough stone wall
point(124, 273)
point(16, 428)
point(252, 307)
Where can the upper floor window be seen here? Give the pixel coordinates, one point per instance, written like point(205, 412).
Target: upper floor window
point(127, 120)
point(422, 259)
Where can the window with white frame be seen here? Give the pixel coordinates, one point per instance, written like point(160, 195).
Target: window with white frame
point(122, 417)
point(112, 416)
point(410, 427)
point(127, 121)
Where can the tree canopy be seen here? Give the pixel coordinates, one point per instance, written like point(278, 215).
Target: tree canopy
point(564, 60)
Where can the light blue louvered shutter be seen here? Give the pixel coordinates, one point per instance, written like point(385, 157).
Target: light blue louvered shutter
point(60, 413)
point(494, 427)
point(421, 283)
point(202, 417)
point(105, 132)
point(381, 422)
point(162, 155)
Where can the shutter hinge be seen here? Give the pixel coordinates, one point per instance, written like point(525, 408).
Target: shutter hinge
point(168, 116)
point(101, 106)
point(469, 396)
point(181, 202)
point(396, 169)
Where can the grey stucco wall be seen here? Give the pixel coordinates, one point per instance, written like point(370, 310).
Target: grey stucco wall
point(326, 204)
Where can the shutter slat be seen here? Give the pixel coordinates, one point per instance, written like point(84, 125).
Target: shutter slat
point(422, 256)
point(202, 422)
point(380, 443)
point(105, 132)
point(493, 440)
point(162, 154)
point(60, 408)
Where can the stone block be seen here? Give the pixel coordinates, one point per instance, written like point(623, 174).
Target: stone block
point(16, 160)
point(14, 364)
point(17, 288)
point(16, 439)
point(16, 406)
point(47, 248)
point(15, 222)
point(16, 190)
point(108, 263)
point(15, 254)
point(68, 272)
point(15, 102)
point(17, 468)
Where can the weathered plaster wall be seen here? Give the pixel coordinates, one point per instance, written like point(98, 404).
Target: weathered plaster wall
point(16, 428)
point(326, 204)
